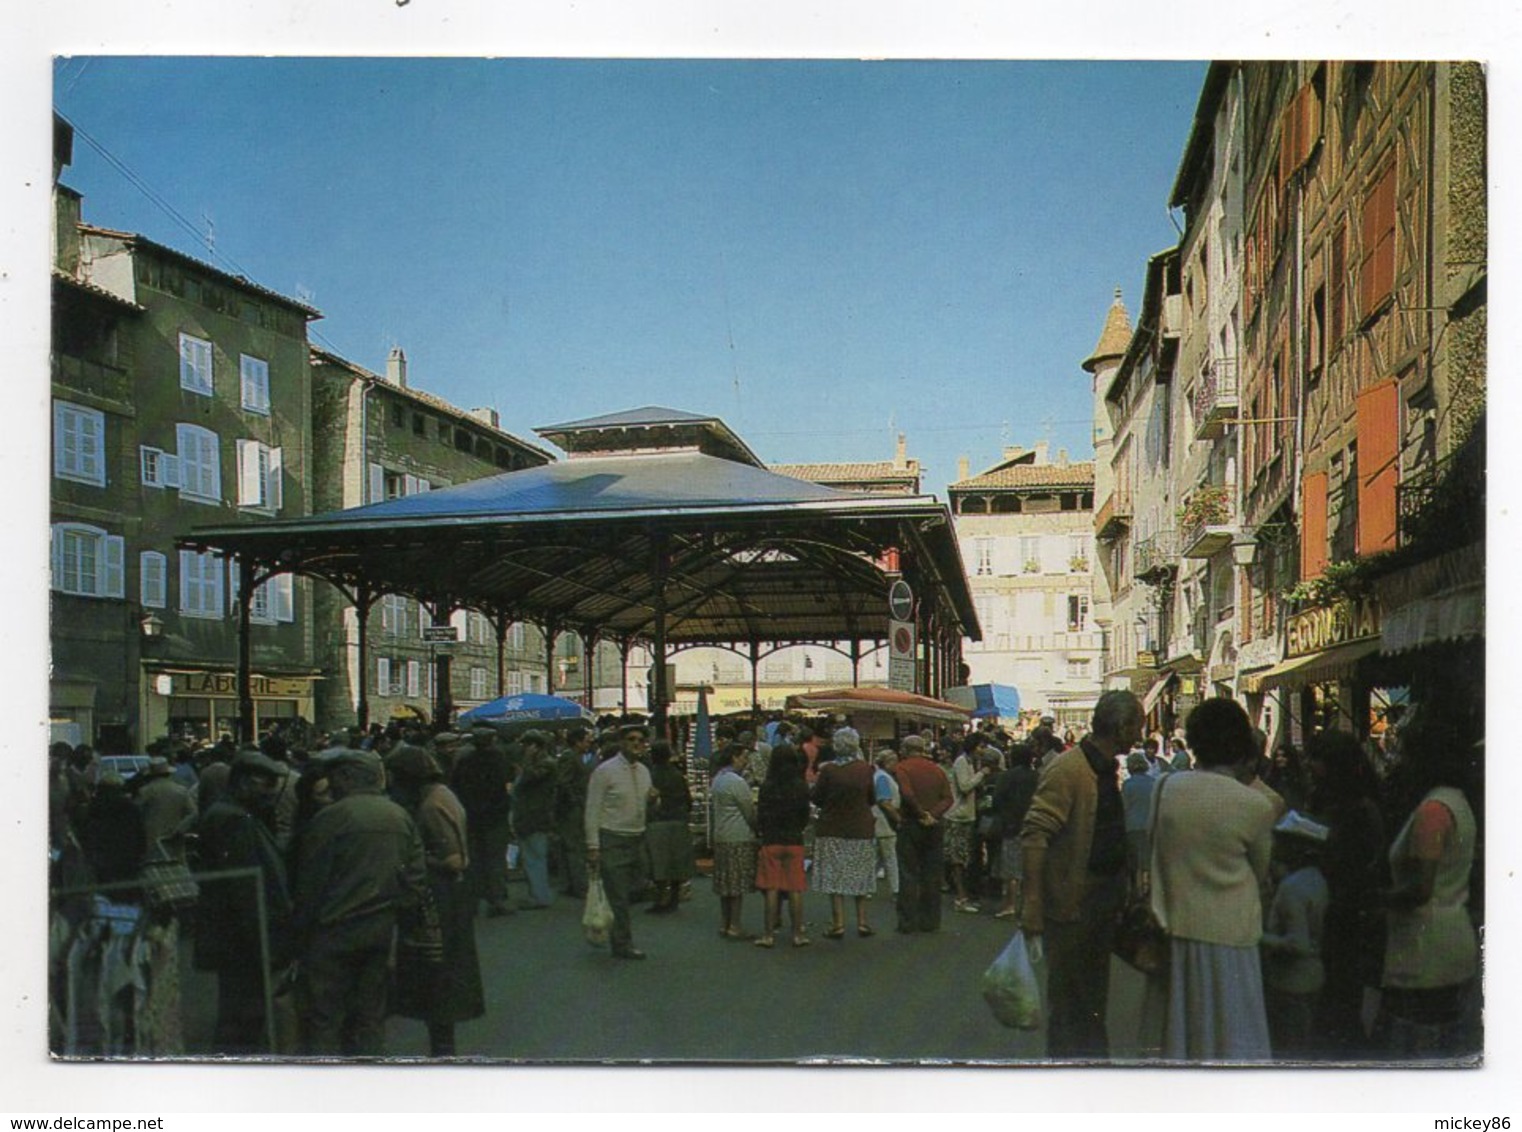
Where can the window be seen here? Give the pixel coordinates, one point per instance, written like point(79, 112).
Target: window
point(1078, 553)
point(87, 561)
point(480, 629)
point(1337, 291)
point(79, 444)
point(985, 555)
point(201, 589)
point(159, 468)
point(153, 578)
point(195, 364)
point(419, 426)
point(414, 678)
point(1078, 668)
point(398, 416)
point(515, 637)
point(393, 614)
point(515, 683)
point(383, 675)
point(274, 600)
point(200, 463)
point(478, 683)
point(1376, 271)
point(1078, 612)
point(260, 483)
point(387, 484)
point(1030, 554)
point(256, 384)
point(1315, 337)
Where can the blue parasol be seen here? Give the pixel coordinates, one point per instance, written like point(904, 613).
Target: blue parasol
point(526, 707)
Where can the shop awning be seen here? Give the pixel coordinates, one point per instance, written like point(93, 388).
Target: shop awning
point(1453, 616)
point(1155, 693)
point(1328, 664)
point(879, 701)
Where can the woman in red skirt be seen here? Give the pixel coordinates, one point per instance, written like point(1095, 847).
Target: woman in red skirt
point(782, 812)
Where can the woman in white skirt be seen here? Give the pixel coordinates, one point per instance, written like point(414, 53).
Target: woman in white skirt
point(1210, 851)
point(845, 845)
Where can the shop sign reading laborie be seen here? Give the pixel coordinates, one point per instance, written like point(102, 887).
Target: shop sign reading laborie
point(1329, 625)
point(226, 684)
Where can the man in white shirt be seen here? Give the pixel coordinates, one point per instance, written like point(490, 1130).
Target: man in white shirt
point(617, 794)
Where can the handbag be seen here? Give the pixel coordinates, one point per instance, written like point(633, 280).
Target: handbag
point(1010, 987)
point(597, 914)
point(168, 884)
point(1140, 938)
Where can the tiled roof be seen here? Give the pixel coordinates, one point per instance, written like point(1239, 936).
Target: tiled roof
point(1031, 475)
point(837, 473)
point(94, 289)
point(1114, 338)
point(201, 265)
point(436, 403)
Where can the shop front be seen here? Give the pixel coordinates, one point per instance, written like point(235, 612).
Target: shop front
point(202, 703)
point(1329, 676)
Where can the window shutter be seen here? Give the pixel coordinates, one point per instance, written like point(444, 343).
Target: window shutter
point(409, 485)
point(383, 675)
point(113, 568)
point(377, 483)
point(151, 570)
point(234, 581)
point(276, 479)
point(57, 540)
point(424, 485)
point(460, 619)
point(188, 574)
point(1378, 425)
point(1313, 537)
point(248, 473)
point(169, 470)
point(424, 618)
point(414, 676)
point(285, 597)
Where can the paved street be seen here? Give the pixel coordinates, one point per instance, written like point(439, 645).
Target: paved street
point(553, 997)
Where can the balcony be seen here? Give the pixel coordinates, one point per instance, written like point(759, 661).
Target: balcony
point(1156, 558)
point(1114, 517)
point(1207, 522)
point(1215, 399)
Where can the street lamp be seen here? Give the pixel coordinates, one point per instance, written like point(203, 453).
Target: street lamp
point(152, 627)
point(1244, 549)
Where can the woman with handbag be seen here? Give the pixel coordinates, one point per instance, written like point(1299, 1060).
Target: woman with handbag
point(1212, 836)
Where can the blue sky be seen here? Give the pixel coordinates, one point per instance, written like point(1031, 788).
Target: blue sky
point(823, 253)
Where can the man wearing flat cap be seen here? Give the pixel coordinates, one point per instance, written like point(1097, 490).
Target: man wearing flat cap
point(235, 833)
point(359, 863)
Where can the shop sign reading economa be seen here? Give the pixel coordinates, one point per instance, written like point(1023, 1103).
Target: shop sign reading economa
point(1329, 625)
point(226, 684)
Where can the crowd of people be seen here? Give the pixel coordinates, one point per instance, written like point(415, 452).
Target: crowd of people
point(1315, 907)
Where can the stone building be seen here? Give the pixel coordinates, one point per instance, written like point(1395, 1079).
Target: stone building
point(180, 396)
point(376, 437)
point(1026, 530)
point(1330, 293)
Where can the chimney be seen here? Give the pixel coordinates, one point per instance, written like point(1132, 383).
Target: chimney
point(1062, 457)
point(396, 367)
point(1013, 452)
point(487, 416)
point(961, 468)
point(1040, 451)
point(901, 454)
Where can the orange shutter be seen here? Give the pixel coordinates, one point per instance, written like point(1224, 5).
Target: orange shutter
point(1313, 528)
point(1376, 275)
point(1378, 422)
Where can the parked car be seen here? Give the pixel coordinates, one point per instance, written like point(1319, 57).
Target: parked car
point(124, 765)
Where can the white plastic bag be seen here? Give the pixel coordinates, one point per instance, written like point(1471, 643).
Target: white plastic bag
point(597, 916)
point(1010, 987)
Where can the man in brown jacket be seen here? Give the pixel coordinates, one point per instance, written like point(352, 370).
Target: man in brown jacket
point(1074, 850)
